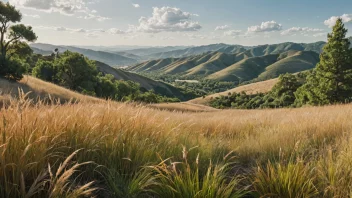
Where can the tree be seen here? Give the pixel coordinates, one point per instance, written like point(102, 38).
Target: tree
point(44, 70)
point(9, 35)
point(76, 72)
point(283, 91)
point(331, 80)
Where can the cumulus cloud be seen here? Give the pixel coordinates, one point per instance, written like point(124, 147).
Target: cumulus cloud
point(136, 5)
point(167, 19)
point(63, 6)
point(66, 7)
point(222, 27)
point(300, 30)
point(233, 33)
point(346, 18)
point(268, 26)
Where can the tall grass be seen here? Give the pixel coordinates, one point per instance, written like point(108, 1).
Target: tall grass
point(108, 149)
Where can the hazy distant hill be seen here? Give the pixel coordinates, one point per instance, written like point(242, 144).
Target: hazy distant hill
point(145, 52)
point(194, 51)
point(109, 58)
point(234, 63)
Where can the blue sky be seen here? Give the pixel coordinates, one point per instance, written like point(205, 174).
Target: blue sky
point(182, 22)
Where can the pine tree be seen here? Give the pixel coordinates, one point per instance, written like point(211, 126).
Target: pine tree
point(331, 80)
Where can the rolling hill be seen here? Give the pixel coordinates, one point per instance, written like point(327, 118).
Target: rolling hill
point(258, 87)
point(196, 51)
point(146, 83)
point(114, 59)
point(268, 66)
point(258, 63)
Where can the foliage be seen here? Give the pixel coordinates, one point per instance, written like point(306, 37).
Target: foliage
point(182, 179)
point(331, 81)
point(45, 70)
point(201, 86)
point(295, 179)
point(9, 66)
point(281, 95)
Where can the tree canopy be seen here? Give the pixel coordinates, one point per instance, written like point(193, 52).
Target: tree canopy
point(11, 34)
point(331, 80)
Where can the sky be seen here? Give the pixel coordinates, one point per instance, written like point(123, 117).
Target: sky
point(182, 22)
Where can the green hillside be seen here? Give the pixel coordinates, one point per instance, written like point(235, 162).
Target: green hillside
point(245, 70)
point(146, 83)
point(258, 63)
point(299, 61)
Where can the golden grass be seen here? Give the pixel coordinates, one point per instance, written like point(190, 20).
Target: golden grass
point(39, 90)
point(259, 87)
point(182, 107)
point(116, 141)
point(123, 138)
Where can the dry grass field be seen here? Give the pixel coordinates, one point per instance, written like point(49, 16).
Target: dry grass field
point(109, 149)
point(182, 107)
point(39, 90)
point(259, 87)
point(127, 151)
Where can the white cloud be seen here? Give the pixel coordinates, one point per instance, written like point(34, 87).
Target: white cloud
point(95, 17)
point(346, 18)
point(32, 16)
point(268, 26)
point(223, 27)
point(63, 6)
point(136, 5)
point(167, 19)
point(233, 33)
point(300, 30)
point(66, 7)
point(116, 31)
point(320, 34)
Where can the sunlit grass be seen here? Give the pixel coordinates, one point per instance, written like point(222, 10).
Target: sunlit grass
point(129, 150)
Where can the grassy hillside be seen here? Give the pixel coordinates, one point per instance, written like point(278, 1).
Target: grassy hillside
point(38, 90)
point(120, 147)
point(245, 70)
point(253, 88)
point(113, 59)
point(290, 62)
point(237, 64)
point(268, 66)
point(149, 84)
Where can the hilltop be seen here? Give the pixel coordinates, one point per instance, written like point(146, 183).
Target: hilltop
point(258, 63)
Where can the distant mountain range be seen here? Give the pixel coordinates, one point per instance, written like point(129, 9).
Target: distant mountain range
point(207, 60)
point(236, 63)
point(114, 59)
